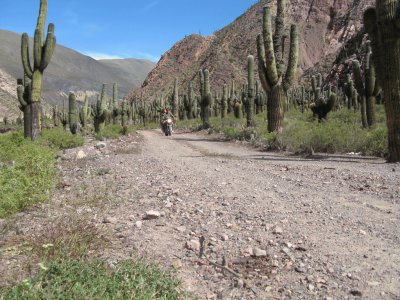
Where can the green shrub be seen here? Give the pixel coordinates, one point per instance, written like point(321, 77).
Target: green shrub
point(27, 170)
point(61, 139)
point(95, 280)
point(114, 131)
point(342, 133)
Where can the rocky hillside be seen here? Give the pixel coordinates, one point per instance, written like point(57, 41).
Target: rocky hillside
point(325, 26)
point(8, 95)
point(68, 71)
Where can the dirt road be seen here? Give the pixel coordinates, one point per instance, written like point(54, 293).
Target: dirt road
point(274, 226)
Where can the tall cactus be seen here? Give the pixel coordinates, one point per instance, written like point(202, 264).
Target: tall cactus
point(124, 113)
point(42, 52)
point(99, 111)
point(248, 99)
point(55, 113)
point(366, 87)
point(351, 92)
point(175, 100)
point(224, 102)
point(23, 92)
point(271, 64)
point(72, 114)
point(84, 113)
point(189, 101)
point(382, 24)
point(64, 117)
point(205, 100)
point(114, 108)
point(323, 102)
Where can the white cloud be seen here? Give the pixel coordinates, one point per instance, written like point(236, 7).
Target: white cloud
point(97, 56)
point(149, 56)
point(132, 54)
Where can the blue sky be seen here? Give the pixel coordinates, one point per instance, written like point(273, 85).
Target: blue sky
point(123, 28)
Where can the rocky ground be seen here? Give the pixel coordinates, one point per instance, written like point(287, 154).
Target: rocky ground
point(234, 222)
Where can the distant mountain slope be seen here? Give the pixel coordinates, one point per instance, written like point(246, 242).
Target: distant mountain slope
point(325, 26)
point(72, 71)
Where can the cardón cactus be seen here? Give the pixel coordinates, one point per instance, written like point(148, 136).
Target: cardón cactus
point(248, 99)
point(382, 24)
point(366, 87)
point(205, 99)
point(271, 64)
point(42, 52)
point(99, 111)
point(72, 114)
point(23, 92)
point(323, 102)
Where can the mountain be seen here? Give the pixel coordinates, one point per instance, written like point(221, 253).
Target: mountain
point(326, 27)
point(68, 71)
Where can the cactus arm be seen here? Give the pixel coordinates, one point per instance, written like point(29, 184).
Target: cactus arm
point(48, 48)
point(314, 83)
point(370, 77)
point(371, 27)
point(293, 58)
point(270, 62)
point(37, 49)
point(262, 71)
point(42, 17)
point(279, 35)
point(250, 76)
point(25, 55)
point(201, 77)
point(358, 78)
point(20, 93)
point(207, 87)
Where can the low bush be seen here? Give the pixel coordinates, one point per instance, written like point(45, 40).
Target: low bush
point(114, 131)
point(61, 139)
point(76, 279)
point(27, 170)
point(342, 133)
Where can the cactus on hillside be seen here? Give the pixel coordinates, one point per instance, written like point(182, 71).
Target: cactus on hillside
point(42, 52)
point(259, 99)
point(114, 107)
point(124, 113)
point(23, 93)
point(175, 100)
point(350, 92)
point(382, 24)
point(64, 117)
point(366, 87)
point(55, 116)
point(224, 102)
point(248, 96)
point(99, 111)
point(84, 113)
point(72, 114)
point(323, 101)
point(189, 101)
point(205, 100)
point(271, 65)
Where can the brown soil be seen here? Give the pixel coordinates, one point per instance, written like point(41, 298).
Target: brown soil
point(322, 228)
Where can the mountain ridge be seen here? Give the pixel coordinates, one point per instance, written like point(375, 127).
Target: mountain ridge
point(325, 27)
point(68, 71)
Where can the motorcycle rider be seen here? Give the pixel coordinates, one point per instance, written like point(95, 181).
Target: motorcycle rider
point(165, 115)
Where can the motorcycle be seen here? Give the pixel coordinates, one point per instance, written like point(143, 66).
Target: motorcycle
point(167, 127)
